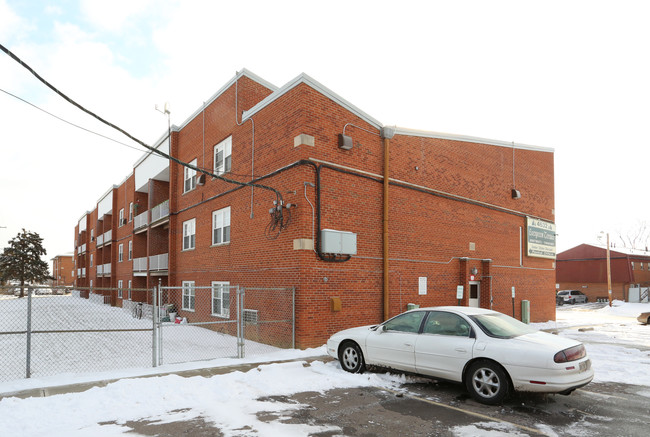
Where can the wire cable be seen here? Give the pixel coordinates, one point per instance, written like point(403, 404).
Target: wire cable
point(142, 143)
point(70, 123)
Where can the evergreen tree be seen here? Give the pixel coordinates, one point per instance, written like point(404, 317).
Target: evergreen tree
point(22, 260)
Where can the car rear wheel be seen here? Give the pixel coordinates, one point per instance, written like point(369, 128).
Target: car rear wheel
point(487, 382)
point(351, 357)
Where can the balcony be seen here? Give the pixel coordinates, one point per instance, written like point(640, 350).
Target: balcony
point(104, 270)
point(81, 249)
point(108, 236)
point(141, 221)
point(140, 266)
point(81, 273)
point(159, 263)
point(100, 240)
point(160, 212)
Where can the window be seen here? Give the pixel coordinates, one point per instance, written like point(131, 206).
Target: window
point(92, 235)
point(91, 260)
point(130, 250)
point(131, 212)
point(632, 265)
point(120, 253)
point(442, 323)
point(120, 284)
point(221, 226)
point(222, 156)
point(188, 295)
point(408, 322)
point(189, 234)
point(221, 299)
point(641, 266)
point(120, 223)
point(189, 177)
point(129, 290)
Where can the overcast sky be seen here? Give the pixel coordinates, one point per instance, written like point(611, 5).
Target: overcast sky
point(567, 75)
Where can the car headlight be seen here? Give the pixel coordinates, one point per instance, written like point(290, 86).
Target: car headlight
point(572, 354)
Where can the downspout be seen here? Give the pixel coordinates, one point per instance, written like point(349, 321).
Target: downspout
point(386, 134)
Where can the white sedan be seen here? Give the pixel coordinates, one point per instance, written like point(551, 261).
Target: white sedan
point(490, 352)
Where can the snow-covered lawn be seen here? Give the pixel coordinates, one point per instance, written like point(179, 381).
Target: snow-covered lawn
point(78, 352)
point(232, 401)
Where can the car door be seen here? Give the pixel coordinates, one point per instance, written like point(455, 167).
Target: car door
point(393, 343)
point(445, 346)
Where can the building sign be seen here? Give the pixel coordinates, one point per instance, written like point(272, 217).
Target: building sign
point(540, 238)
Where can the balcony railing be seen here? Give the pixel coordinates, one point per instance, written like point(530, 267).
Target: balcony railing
point(108, 236)
point(106, 270)
point(81, 273)
point(159, 262)
point(100, 240)
point(140, 264)
point(160, 211)
point(81, 249)
point(100, 270)
point(140, 220)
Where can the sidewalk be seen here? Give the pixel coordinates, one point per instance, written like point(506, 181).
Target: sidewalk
point(205, 372)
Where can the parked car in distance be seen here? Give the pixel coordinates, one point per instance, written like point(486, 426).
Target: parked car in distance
point(573, 296)
point(644, 318)
point(489, 352)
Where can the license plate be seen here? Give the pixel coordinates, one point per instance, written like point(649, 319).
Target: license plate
point(585, 365)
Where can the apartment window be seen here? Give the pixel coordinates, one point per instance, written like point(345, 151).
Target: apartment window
point(120, 253)
point(92, 235)
point(129, 290)
point(221, 226)
point(120, 285)
point(130, 250)
point(189, 234)
point(222, 156)
point(221, 299)
point(91, 260)
point(189, 177)
point(121, 219)
point(188, 295)
point(130, 212)
point(641, 266)
point(91, 283)
point(632, 265)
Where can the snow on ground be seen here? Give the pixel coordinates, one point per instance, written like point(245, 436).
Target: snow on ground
point(617, 344)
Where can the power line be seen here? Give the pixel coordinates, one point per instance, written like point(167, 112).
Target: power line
point(69, 122)
point(142, 143)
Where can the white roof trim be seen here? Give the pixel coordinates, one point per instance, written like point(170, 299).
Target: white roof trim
point(304, 78)
point(110, 191)
point(223, 89)
point(469, 139)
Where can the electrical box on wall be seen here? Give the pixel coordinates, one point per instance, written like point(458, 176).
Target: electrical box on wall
point(338, 242)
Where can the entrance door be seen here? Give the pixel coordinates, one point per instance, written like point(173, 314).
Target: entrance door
point(474, 294)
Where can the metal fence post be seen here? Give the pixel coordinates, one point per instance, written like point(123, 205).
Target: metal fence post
point(154, 340)
point(160, 327)
point(28, 364)
point(293, 317)
point(240, 322)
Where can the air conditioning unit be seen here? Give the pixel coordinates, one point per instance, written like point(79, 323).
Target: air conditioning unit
point(92, 238)
point(200, 180)
point(123, 222)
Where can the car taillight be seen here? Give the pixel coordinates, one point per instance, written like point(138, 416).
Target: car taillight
point(571, 354)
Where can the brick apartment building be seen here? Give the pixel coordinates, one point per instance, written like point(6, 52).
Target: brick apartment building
point(358, 247)
point(584, 268)
point(63, 270)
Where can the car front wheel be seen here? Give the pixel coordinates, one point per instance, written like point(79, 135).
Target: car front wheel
point(487, 382)
point(351, 357)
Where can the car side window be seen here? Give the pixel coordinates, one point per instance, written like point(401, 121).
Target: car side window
point(443, 323)
point(407, 322)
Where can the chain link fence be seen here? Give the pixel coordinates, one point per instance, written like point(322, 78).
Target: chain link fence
point(54, 330)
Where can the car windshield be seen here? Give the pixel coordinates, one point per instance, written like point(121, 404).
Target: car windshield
point(501, 326)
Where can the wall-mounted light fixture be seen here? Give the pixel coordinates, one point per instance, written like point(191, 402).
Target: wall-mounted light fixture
point(474, 270)
point(516, 194)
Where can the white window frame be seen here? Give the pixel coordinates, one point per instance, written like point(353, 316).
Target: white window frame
point(121, 218)
point(221, 226)
point(130, 250)
point(219, 288)
point(120, 285)
point(225, 163)
point(130, 212)
point(189, 293)
point(120, 253)
point(189, 234)
point(91, 260)
point(129, 290)
point(189, 177)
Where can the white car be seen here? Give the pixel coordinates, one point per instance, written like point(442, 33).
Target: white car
point(491, 353)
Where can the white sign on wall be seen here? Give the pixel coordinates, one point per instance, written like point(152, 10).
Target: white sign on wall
point(422, 285)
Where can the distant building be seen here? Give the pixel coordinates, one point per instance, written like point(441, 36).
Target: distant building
point(63, 270)
point(458, 211)
point(584, 268)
